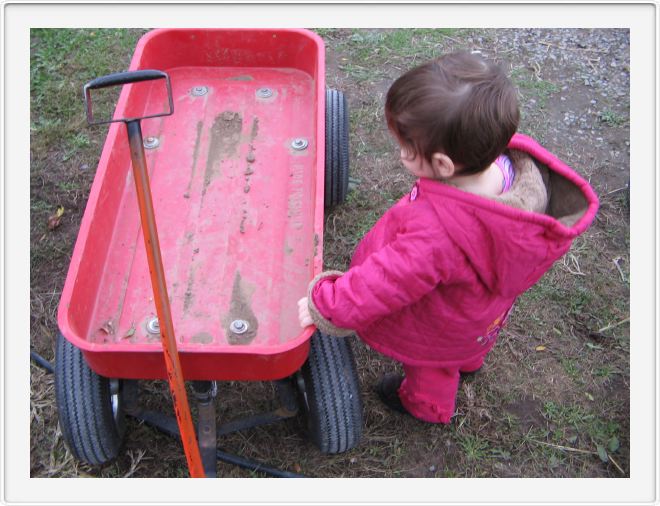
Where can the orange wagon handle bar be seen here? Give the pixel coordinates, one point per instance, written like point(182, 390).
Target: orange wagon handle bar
point(152, 245)
point(150, 233)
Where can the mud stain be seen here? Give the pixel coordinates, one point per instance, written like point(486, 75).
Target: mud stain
point(188, 296)
point(225, 138)
point(528, 412)
point(200, 124)
point(241, 78)
point(202, 338)
point(255, 129)
point(240, 308)
point(242, 225)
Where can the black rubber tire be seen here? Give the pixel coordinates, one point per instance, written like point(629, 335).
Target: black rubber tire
point(336, 148)
point(84, 405)
point(331, 391)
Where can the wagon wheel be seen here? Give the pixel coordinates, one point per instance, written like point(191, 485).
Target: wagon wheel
point(336, 148)
point(331, 394)
point(90, 407)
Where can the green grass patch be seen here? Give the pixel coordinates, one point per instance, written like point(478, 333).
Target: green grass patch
point(572, 368)
point(61, 62)
point(370, 53)
point(533, 87)
point(612, 118)
point(572, 422)
point(474, 447)
point(606, 371)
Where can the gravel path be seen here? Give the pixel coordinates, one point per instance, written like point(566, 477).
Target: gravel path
point(587, 75)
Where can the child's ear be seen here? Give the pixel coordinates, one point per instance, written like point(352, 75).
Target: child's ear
point(442, 165)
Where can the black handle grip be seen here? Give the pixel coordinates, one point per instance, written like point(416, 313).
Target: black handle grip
point(125, 78)
point(122, 78)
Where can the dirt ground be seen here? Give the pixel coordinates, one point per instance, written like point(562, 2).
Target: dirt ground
point(553, 397)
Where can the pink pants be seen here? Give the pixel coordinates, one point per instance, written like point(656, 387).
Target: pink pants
point(429, 393)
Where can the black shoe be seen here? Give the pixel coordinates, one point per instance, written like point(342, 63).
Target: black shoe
point(387, 391)
point(470, 374)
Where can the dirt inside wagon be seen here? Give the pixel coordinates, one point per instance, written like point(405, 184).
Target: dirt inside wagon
point(553, 397)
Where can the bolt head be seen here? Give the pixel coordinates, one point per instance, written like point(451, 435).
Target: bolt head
point(151, 142)
point(199, 91)
point(153, 326)
point(264, 93)
point(299, 144)
point(239, 326)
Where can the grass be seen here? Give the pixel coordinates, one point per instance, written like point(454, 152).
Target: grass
point(528, 413)
point(61, 61)
point(612, 118)
point(473, 446)
point(574, 423)
point(532, 86)
point(372, 51)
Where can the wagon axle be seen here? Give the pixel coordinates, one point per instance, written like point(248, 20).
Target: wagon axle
point(207, 433)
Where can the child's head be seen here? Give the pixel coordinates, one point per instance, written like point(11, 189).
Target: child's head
point(460, 105)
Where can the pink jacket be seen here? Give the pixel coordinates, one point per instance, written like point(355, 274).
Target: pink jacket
point(433, 281)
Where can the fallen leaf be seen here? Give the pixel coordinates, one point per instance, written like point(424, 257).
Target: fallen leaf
point(55, 219)
point(483, 413)
point(589, 396)
point(469, 394)
point(540, 348)
point(602, 453)
point(130, 333)
point(613, 444)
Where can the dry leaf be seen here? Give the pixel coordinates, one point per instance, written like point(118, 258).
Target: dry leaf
point(469, 394)
point(129, 333)
point(55, 219)
point(484, 413)
point(540, 348)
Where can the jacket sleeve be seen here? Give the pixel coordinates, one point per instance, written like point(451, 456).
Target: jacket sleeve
point(390, 279)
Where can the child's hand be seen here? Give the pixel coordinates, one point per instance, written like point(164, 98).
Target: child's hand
point(303, 313)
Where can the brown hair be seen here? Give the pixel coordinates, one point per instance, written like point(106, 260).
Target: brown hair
point(459, 104)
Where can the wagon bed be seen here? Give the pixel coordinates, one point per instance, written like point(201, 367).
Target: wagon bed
point(234, 176)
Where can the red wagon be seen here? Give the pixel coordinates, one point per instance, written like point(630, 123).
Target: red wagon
point(240, 175)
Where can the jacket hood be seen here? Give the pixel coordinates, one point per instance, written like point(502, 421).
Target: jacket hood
point(535, 222)
point(571, 203)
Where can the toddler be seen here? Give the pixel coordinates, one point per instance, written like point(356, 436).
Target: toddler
point(432, 283)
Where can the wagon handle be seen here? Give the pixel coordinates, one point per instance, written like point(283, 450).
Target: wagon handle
point(122, 78)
